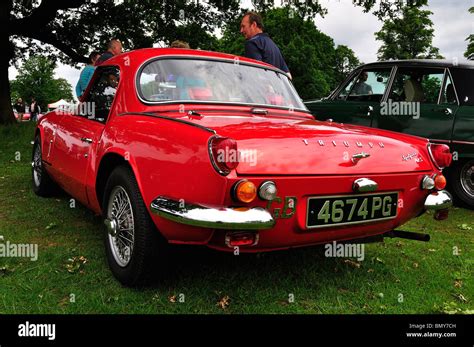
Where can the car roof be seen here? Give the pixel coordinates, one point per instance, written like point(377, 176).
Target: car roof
point(424, 63)
point(148, 53)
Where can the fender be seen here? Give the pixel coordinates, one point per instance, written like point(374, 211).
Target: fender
point(92, 178)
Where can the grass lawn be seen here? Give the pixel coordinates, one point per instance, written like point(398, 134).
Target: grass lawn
point(71, 274)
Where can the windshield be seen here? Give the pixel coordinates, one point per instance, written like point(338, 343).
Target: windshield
point(165, 80)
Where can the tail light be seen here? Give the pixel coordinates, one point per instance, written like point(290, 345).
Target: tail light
point(440, 155)
point(440, 182)
point(224, 154)
point(437, 182)
point(245, 191)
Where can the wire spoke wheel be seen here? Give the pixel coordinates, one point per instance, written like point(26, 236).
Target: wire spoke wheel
point(37, 165)
point(122, 238)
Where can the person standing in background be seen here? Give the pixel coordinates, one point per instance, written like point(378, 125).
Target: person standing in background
point(259, 45)
point(113, 48)
point(86, 74)
point(34, 110)
point(179, 44)
point(20, 108)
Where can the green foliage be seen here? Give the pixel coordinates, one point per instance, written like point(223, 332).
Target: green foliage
point(388, 9)
point(36, 79)
point(317, 66)
point(431, 87)
point(138, 24)
point(470, 48)
point(345, 62)
point(408, 36)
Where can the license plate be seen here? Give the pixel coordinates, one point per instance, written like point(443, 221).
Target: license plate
point(326, 211)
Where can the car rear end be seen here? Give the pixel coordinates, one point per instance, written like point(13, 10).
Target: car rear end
point(319, 185)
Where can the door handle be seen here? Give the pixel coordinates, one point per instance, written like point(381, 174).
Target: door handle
point(448, 112)
point(87, 140)
point(368, 109)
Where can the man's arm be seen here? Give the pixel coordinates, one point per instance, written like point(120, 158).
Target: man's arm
point(78, 89)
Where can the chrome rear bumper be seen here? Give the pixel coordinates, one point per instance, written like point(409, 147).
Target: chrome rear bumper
point(216, 217)
point(438, 200)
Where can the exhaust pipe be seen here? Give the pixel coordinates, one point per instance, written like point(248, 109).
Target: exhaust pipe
point(408, 235)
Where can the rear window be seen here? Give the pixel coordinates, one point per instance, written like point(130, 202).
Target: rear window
point(198, 80)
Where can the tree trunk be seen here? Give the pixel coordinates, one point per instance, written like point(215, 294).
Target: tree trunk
point(6, 111)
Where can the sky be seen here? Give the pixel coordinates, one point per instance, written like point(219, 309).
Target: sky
point(349, 25)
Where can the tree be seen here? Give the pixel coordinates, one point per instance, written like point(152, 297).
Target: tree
point(69, 30)
point(470, 48)
point(408, 35)
point(316, 65)
point(36, 79)
point(345, 62)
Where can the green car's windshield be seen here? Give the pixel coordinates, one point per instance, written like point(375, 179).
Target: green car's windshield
point(174, 79)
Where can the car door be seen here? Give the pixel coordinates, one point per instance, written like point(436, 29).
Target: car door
point(421, 102)
point(358, 101)
point(80, 131)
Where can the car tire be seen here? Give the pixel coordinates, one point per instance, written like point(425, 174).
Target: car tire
point(136, 253)
point(462, 182)
point(43, 185)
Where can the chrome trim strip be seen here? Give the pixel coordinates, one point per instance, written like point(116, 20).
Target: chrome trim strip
point(454, 87)
point(335, 225)
point(443, 85)
point(438, 200)
point(337, 91)
point(442, 141)
point(432, 157)
point(391, 81)
point(213, 162)
point(149, 114)
point(210, 112)
point(215, 217)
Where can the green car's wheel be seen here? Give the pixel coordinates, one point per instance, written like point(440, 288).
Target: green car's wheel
point(462, 182)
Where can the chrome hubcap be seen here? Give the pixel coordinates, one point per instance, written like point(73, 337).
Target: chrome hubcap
point(467, 178)
point(111, 226)
point(120, 226)
point(37, 165)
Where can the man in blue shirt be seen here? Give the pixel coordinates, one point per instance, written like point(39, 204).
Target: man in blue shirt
point(259, 45)
point(114, 47)
point(86, 74)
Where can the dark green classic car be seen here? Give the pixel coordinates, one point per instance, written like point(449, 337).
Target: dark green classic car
point(428, 98)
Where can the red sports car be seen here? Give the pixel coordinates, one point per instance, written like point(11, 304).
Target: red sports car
point(194, 147)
